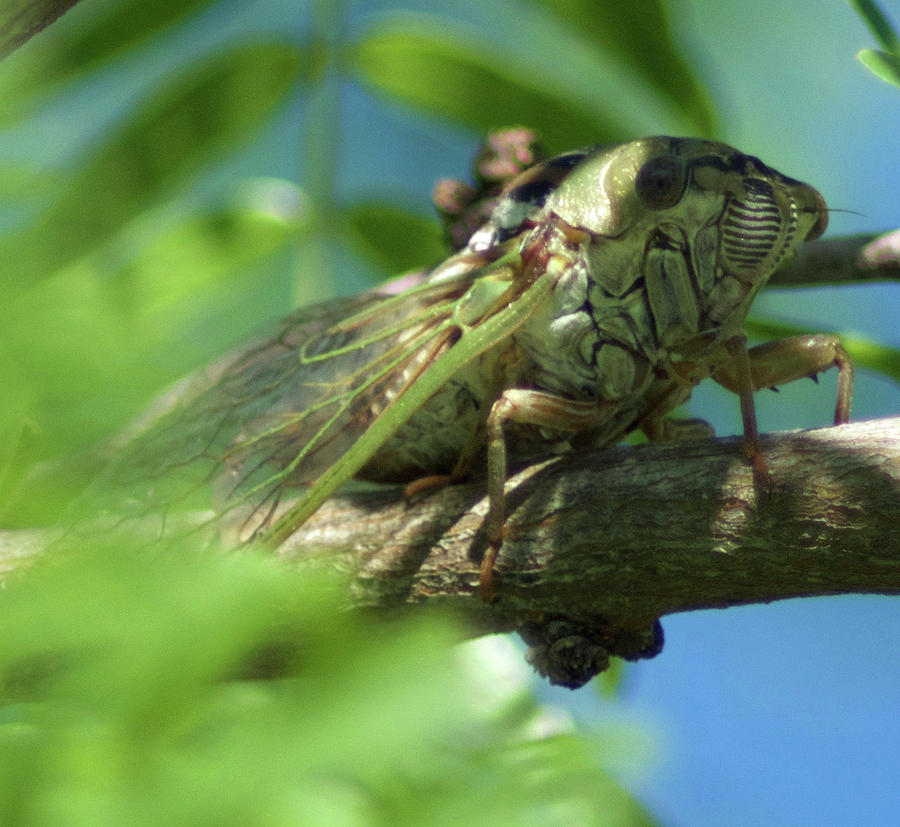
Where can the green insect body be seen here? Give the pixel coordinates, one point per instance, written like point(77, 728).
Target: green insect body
point(606, 283)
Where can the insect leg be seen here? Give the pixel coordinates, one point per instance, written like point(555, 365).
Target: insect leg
point(527, 407)
point(461, 469)
point(785, 360)
point(742, 377)
point(666, 428)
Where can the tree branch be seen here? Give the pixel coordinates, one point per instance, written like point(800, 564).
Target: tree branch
point(634, 532)
point(611, 541)
point(848, 259)
point(20, 20)
point(598, 547)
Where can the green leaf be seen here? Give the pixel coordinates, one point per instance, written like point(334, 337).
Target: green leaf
point(445, 73)
point(169, 286)
point(74, 336)
point(23, 186)
point(179, 687)
point(884, 65)
point(639, 34)
point(397, 239)
point(70, 49)
point(207, 110)
point(879, 24)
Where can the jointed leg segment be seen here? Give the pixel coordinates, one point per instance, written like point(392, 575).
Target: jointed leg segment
point(531, 408)
point(798, 357)
point(747, 371)
point(778, 362)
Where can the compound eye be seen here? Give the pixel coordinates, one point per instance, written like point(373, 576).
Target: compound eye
point(660, 183)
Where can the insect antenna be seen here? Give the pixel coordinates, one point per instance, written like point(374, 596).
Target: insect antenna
point(837, 209)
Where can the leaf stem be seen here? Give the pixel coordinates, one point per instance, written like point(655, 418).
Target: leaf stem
point(316, 260)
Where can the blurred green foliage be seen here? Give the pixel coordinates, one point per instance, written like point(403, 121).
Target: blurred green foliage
point(164, 142)
point(885, 62)
point(478, 88)
point(128, 679)
point(183, 688)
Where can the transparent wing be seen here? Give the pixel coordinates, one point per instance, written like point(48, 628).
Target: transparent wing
point(277, 413)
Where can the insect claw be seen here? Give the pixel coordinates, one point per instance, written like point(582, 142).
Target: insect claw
point(416, 487)
point(762, 478)
point(486, 576)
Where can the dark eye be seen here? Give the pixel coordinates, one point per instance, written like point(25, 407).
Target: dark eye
point(660, 183)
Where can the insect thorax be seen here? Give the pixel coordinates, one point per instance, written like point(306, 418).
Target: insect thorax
point(665, 241)
point(678, 237)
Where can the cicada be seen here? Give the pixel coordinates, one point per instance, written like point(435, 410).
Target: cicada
point(604, 285)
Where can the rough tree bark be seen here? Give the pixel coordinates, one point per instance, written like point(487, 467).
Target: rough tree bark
point(598, 547)
point(605, 544)
point(634, 531)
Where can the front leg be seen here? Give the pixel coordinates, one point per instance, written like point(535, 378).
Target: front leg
point(775, 363)
point(528, 407)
